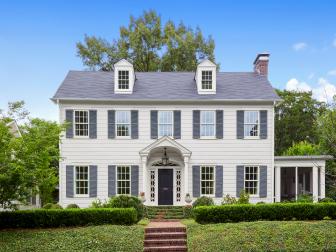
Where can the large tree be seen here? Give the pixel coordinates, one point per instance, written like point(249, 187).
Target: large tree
point(296, 119)
point(149, 45)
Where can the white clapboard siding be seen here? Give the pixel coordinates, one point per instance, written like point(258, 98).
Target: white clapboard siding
point(228, 151)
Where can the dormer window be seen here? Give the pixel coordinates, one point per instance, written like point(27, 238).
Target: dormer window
point(123, 79)
point(206, 79)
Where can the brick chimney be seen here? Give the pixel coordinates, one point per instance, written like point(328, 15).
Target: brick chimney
point(261, 64)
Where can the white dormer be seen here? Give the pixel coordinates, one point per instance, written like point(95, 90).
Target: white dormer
point(124, 77)
point(206, 77)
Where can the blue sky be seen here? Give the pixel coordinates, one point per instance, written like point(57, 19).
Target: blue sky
point(37, 41)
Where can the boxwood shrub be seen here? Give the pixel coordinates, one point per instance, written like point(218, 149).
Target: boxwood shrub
point(67, 217)
point(279, 211)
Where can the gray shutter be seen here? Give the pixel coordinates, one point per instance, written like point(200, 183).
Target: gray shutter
point(111, 123)
point(240, 124)
point(69, 181)
point(196, 181)
point(134, 124)
point(177, 124)
point(219, 181)
point(111, 180)
point(93, 124)
point(93, 180)
point(263, 124)
point(135, 180)
point(69, 120)
point(263, 181)
point(154, 124)
point(196, 124)
point(219, 124)
point(239, 179)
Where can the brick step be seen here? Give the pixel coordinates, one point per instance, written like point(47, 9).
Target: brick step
point(166, 235)
point(165, 220)
point(165, 229)
point(165, 242)
point(166, 248)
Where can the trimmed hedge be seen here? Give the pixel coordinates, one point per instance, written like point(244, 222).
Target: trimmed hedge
point(271, 212)
point(67, 217)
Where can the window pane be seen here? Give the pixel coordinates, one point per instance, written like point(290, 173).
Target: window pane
point(165, 123)
point(123, 180)
point(207, 126)
point(206, 79)
point(123, 79)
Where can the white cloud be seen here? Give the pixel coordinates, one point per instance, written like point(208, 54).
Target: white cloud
point(332, 72)
point(300, 46)
point(324, 91)
point(294, 85)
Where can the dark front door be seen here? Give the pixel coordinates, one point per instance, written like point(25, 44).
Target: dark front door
point(165, 186)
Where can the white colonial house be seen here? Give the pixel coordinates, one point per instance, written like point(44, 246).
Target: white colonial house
point(166, 135)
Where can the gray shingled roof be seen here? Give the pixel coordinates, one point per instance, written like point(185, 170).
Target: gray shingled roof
point(90, 85)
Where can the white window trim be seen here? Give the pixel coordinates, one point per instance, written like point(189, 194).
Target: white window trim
point(116, 174)
point(130, 125)
point(252, 137)
point(74, 123)
point(158, 124)
point(129, 83)
point(258, 183)
point(214, 180)
point(215, 119)
point(212, 87)
point(75, 179)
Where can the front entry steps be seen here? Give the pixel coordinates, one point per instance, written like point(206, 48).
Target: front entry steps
point(165, 236)
point(161, 213)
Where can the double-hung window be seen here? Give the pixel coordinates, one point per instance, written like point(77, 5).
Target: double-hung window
point(165, 123)
point(81, 123)
point(206, 79)
point(123, 123)
point(208, 123)
point(82, 180)
point(207, 180)
point(251, 124)
point(123, 79)
point(123, 180)
point(251, 180)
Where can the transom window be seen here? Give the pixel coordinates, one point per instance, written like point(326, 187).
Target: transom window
point(165, 123)
point(123, 180)
point(123, 123)
point(82, 180)
point(206, 79)
point(207, 180)
point(81, 123)
point(123, 79)
point(207, 123)
point(251, 123)
point(251, 179)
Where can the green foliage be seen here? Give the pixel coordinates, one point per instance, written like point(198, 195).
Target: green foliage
point(303, 148)
point(150, 45)
point(203, 201)
point(250, 212)
point(14, 179)
point(244, 198)
point(66, 218)
point(296, 119)
point(70, 206)
point(305, 198)
point(15, 111)
point(262, 236)
point(228, 200)
point(52, 206)
point(326, 200)
point(125, 201)
point(98, 204)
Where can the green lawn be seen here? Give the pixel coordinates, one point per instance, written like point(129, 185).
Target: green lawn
point(263, 235)
point(92, 238)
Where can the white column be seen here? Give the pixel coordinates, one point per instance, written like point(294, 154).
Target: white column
point(322, 181)
point(296, 183)
point(277, 182)
point(186, 177)
point(144, 177)
point(315, 183)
